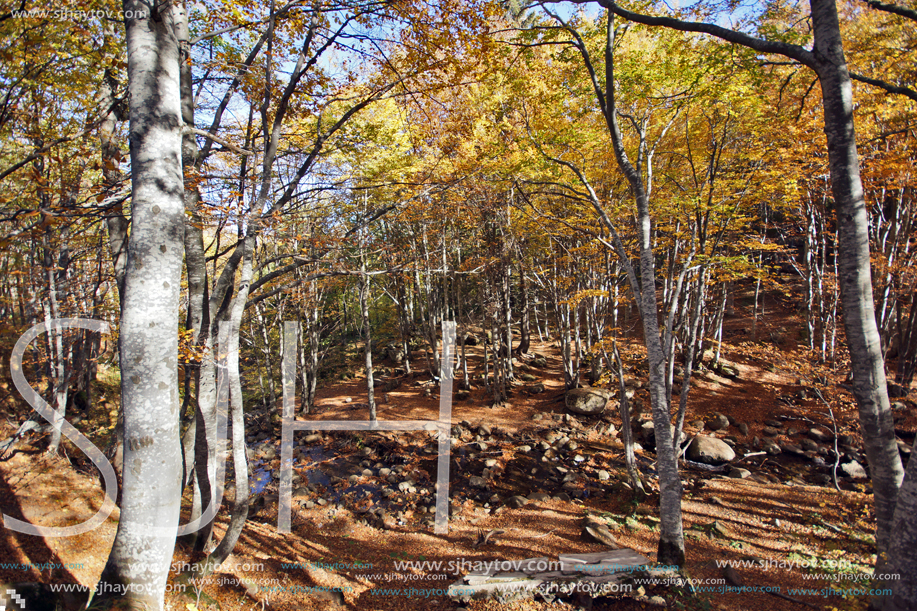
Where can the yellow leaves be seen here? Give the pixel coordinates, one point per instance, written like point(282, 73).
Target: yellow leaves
point(582, 295)
point(188, 351)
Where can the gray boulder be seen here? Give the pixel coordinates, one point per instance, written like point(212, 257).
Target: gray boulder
point(587, 401)
point(854, 470)
point(718, 422)
point(710, 450)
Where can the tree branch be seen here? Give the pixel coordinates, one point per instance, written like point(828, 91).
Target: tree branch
point(893, 8)
point(888, 87)
point(796, 52)
point(218, 140)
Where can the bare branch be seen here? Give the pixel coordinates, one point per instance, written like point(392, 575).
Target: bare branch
point(895, 9)
point(888, 87)
point(218, 140)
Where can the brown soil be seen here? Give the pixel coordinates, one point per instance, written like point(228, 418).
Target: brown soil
point(760, 519)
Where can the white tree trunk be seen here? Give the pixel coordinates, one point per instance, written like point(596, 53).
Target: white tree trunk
point(138, 565)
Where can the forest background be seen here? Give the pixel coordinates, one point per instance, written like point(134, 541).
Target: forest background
point(371, 169)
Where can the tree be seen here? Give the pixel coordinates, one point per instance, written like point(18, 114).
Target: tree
point(140, 557)
point(827, 60)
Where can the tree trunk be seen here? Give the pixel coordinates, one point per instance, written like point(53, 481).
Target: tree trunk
point(142, 550)
point(902, 561)
point(671, 548)
point(239, 513)
point(855, 280)
point(368, 339)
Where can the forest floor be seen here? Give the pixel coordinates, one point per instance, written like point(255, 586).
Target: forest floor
point(351, 524)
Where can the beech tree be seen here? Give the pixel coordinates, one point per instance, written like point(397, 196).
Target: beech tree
point(140, 557)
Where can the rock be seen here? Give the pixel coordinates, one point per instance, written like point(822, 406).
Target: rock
point(484, 430)
point(587, 401)
point(698, 424)
point(854, 470)
point(603, 475)
point(599, 531)
point(539, 497)
point(516, 501)
point(540, 361)
point(477, 482)
point(732, 576)
point(719, 529)
point(524, 449)
point(710, 450)
point(743, 428)
point(572, 421)
point(472, 340)
point(772, 448)
point(462, 395)
point(718, 422)
point(534, 389)
point(791, 448)
point(770, 431)
point(527, 377)
point(737, 473)
point(819, 435)
point(313, 438)
point(896, 390)
point(648, 432)
point(774, 423)
point(728, 370)
point(808, 445)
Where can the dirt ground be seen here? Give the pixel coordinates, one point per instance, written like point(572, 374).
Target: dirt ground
point(774, 517)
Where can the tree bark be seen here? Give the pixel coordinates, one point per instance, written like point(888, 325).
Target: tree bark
point(671, 549)
point(855, 278)
point(239, 512)
point(138, 565)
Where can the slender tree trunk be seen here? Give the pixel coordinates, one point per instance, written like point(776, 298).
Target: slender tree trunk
point(239, 512)
point(671, 548)
point(142, 550)
point(368, 339)
point(627, 435)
